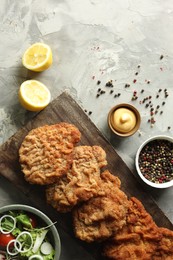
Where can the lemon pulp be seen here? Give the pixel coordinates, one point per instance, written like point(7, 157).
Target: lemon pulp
point(34, 95)
point(38, 57)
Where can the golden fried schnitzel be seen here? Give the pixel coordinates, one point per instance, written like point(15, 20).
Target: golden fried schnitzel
point(164, 248)
point(140, 238)
point(101, 216)
point(81, 181)
point(46, 152)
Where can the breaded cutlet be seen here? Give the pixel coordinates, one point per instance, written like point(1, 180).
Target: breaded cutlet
point(46, 152)
point(101, 216)
point(81, 181)
point(164, 248)
point(138, 239)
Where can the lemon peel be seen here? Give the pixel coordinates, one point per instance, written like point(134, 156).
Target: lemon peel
point(34, 95)
point(38, 57)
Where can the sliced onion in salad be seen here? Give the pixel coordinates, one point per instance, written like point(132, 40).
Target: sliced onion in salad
point(13, 250)
point(2, 257)
point(46, 248)
point(3, 219)
point(24, 247)
point(39, 240)
point(39, 257)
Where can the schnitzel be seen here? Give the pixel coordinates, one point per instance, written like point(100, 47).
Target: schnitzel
point(140, 238)
point(100, 217)
point(46, 152)
point(81, 181)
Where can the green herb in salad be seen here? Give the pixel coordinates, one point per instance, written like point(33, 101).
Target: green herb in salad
point(27, 242)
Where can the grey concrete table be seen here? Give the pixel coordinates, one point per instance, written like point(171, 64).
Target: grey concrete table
point(128, 42)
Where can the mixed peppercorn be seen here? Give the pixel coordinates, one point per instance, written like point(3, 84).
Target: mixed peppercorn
point(156, 161)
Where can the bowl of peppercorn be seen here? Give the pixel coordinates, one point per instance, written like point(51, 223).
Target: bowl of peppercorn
point(154, 161)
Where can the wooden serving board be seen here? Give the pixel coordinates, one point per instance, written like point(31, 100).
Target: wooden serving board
point(64, 108)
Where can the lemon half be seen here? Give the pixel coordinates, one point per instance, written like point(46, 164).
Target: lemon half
point(34, 95)
point(38, 57)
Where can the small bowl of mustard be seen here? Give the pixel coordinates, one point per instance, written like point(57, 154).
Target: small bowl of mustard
point(124, 119)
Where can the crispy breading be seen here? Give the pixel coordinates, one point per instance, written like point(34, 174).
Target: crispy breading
point(101, 216)
point(46, 152)
point(81, 181)
point(138, 239)
point(165, 246)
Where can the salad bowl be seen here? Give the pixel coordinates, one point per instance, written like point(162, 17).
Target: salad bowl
point(22, 223)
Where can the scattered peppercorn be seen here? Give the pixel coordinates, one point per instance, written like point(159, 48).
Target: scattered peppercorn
point(163, 103)
point(90, 112)
point(161, 57)
point(153, 120)
point(134, 98)
point(111, 91)
point(109, 84)
point(98, 82)
point(127, 85)
point(142, 90)
point(169, 127)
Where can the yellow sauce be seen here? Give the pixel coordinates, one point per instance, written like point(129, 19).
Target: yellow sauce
point(123, 120)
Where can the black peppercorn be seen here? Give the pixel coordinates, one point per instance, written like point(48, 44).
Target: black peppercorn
point(161, 57)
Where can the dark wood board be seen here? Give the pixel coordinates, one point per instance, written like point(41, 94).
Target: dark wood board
point(64, 108)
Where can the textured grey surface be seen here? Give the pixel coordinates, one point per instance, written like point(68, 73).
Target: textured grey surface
point(91, 40)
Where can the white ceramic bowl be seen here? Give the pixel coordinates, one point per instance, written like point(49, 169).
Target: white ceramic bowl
point(41, 217)
point(150, 183)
